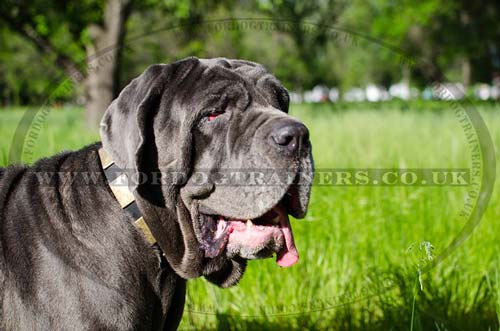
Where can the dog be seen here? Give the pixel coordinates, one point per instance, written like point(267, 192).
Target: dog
point(80, 254)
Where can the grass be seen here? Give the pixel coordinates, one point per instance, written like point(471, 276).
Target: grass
point(360, 246)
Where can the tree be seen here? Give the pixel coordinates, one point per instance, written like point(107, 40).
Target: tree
point(104, 76)
point(310, 41)
point(72, 31)
point(86, 38)
point(445, 35)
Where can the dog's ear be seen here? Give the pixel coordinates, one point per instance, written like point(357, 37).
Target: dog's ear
point(127, 125)
point(147, 131)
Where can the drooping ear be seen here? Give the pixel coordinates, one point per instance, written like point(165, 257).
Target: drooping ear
point(146, 131)
point(124, 127)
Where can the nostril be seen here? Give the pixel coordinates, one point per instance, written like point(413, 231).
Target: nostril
point(290, 136)
point(283, 139)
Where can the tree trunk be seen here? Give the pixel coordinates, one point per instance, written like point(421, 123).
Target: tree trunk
point(466, 71)
point(104, 54)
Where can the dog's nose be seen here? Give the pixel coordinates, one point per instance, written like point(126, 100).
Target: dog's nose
point(290, 136)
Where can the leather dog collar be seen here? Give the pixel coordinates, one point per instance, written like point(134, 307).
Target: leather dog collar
point(118, 183)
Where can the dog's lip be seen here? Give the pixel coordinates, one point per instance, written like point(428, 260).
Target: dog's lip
point(206, 210)
point(287, 201)
point(271, 228)
point(267, 218)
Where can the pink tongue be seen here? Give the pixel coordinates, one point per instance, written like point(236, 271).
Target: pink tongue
point(288, 255)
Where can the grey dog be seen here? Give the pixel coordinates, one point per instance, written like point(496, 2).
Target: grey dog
point(71, 257)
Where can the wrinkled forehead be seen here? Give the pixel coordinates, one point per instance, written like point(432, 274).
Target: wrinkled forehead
point(241, 82)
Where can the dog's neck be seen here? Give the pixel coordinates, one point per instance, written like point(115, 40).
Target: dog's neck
point(118, 183)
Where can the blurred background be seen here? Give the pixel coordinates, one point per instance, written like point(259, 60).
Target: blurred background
point(365, 76)
point(330, 50)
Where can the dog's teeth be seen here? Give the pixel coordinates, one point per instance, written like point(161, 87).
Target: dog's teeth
point(276, 220)
point(249, 224)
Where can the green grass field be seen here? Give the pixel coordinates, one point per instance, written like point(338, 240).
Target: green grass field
point(360, 246)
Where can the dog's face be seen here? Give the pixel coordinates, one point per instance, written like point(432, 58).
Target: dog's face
point(246, 165)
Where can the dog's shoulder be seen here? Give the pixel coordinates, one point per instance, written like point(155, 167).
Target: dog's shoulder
point(46, 172)
point(69, 160)
point(60, 161)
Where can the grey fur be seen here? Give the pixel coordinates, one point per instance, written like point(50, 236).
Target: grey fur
point(70, 258)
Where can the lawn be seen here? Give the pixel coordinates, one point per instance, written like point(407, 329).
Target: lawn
point(361, 246)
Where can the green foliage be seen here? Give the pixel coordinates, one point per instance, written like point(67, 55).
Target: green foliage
point(21, 82)
point(438, 33)
point(334, 42)
point(34, 36)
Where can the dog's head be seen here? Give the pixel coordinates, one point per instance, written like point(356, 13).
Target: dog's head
point(216, 163)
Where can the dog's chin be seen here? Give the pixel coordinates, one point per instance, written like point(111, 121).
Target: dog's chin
point(257, 238)
point(224, 271)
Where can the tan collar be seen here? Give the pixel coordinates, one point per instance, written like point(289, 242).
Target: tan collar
point(118, 183)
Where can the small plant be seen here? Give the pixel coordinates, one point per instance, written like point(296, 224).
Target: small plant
point(422, 256)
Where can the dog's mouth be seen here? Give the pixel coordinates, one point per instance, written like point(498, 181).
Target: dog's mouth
point(269, 234)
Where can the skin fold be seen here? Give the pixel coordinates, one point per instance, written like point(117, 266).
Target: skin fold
point(70, 257)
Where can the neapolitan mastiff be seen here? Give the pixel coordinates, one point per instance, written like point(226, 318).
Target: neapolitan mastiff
point(76, 246)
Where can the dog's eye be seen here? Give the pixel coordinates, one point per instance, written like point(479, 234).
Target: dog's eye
point(213, 116)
